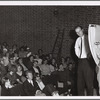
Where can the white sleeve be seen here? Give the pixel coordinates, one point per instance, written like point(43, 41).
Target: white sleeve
point(77, 48)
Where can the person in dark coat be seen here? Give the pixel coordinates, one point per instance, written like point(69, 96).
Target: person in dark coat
point(30, 86)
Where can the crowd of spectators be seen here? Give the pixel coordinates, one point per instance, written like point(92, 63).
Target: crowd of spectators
point(23, 73)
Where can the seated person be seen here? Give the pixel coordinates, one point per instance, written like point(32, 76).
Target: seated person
point(54, 64)
point(30, 62)
point(11, 75)
point(5, 87)
point(20, 62)
point(70, 77)
point(22, 53)
point(20, 74)
point(36, 69)
point(48, 89)
point(63, 64)
point(9, 89)
point(46, 71)
point(45, 68)
point(30, 86)
point(38, 59)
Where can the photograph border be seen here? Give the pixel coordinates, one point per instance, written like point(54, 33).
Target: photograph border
point(50, 3)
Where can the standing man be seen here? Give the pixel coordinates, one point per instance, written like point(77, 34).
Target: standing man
point(85, 71)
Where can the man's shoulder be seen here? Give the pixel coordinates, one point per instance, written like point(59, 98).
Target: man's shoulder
point(78, 39)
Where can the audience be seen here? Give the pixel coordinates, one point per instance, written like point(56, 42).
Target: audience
point(23, 73)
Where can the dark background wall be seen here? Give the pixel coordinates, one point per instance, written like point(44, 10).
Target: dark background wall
point(37, 25)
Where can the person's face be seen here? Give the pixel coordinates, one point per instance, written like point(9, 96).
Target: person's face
point(35, 64)
point(63, 60)
point(12, 61)
point(79, 31)
point(31, 58)
point(22, 49)
point(70, 67)
point(68, 60)
point(50, 55)
point(19, 68)
point(36, 56)
point(45, 62)
point(14, 47)
point(11, 72)
point(30, 76)
point(20, 60)
point(53, 61)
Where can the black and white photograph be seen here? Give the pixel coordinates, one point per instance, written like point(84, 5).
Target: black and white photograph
point(49, 50)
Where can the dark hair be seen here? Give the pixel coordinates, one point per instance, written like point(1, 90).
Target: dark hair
point(44, 60)
point(28, 71)
point(78, 26)
point(70, 63)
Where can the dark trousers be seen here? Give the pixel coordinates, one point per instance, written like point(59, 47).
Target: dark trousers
point(85, 77)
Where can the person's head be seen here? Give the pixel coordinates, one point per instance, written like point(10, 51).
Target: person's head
point(4, 44)
point(45, 61)
point(15, 55)
point(50, 56)
point(22, 49)
point(19, 68)
point(14, 47)
point(29, 75)
point(13, 69)
point(36, 56)
point(6, 81)
point(35, 63)
point(62, 60)
point(53, 61)
point(12, 61)
point(79, 31)
point(70, 66)
point(31, 58)
point(67, 59)
point(20, 60)
point(40, 51)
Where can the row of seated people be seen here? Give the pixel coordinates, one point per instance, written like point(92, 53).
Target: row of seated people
point(31, 86)
point(16, 75)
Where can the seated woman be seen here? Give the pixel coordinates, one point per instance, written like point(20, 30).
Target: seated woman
point(54, 64)
point(11, 75)
point(20, 74)
point(63, 64)
point(20, 62)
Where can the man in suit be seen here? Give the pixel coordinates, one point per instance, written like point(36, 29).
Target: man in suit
point(30, 86)
point(85, 71)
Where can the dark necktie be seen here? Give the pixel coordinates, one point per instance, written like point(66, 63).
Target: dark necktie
point(81, 48)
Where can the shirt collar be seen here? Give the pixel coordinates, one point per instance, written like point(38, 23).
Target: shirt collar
point(29, 80)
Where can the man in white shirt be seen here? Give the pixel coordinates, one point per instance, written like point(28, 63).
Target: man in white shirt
point(85, 72)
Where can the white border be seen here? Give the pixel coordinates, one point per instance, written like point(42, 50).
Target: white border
point(49, 97)
point(55, 3)
point(49, 3)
